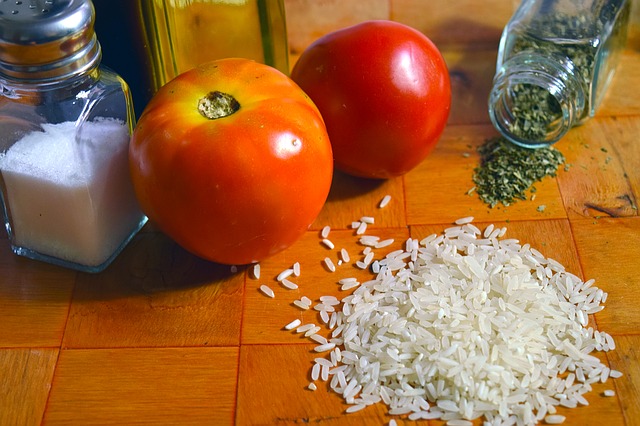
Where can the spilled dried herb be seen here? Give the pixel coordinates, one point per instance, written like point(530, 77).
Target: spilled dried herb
point(506, 171)
point(535, 111)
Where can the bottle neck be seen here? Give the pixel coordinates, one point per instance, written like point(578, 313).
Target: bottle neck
point(536, 99)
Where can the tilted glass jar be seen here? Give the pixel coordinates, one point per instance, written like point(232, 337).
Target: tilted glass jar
point(555, 61)
point(65, 125)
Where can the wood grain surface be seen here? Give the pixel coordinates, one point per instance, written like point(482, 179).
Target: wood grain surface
point(162, 337)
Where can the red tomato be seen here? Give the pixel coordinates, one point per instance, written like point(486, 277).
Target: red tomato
point(383, 90)
point(237, 188)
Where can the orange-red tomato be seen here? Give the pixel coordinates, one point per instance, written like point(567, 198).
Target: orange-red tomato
point(383, 90)
point(237, 188)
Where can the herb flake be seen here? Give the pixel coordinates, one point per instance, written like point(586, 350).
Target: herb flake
point(507, 171)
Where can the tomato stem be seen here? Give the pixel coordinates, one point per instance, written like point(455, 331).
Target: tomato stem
point(217, 105)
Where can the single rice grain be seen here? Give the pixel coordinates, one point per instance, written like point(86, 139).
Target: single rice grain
point(385, 201)
point(267, 290)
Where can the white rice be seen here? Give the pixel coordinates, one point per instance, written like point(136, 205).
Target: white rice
point(459, 422)
point(301, 305)
point(385, 201)
point(464, 220)
point(554, 419)
point(344, 255)
point(325, 231)
point(267, 290)
point(255, 271)
point(305, 328)
point(293, 324)
point(464, 325)
point(328, 243)
point(615, 374)
point(362, 228)
point(328, 263)
point(324, 348)
point(369, 240)
point(319, 339)
point(348, 284)
point(354, 408)
point(313, 330)
point(367, 219)
point(289, 284)
point(384, 243)
point(284, 274)
point(609, 392)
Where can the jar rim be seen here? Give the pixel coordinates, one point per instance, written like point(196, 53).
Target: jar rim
point(541, 75)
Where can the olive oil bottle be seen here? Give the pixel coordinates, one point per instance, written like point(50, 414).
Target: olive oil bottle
point(180, 34)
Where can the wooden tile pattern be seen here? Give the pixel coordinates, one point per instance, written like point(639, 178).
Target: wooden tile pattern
point(163, 337)
point(167, 386)
point(25, 384)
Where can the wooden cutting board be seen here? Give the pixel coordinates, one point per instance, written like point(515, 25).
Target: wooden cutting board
point(163, 337)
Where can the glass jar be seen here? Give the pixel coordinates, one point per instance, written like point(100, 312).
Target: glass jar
point(181, 34)
point(555, 61)
point(65, 126)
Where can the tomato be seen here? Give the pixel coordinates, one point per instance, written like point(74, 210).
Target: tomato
point(384, 92)
point(243, 186)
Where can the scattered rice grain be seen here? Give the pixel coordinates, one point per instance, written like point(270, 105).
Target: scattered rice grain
point(344, 255)
point(354, 408)
point(367, 219)
point(325, 231)
point(289, 284)
point(385, 201)
point(300, 304)
point(328, 243)
point(324, 348)
point(554, 419)
point(329, 264)
point(284, 274)
point(293, 324)
point(464, 220)
point(267, 290)
point(305, 328)
point(255, 271)
point(362, 228)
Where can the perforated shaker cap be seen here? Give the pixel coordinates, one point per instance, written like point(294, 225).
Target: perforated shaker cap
point(46, 39)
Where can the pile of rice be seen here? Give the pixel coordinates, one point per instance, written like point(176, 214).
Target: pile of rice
point(461, 326)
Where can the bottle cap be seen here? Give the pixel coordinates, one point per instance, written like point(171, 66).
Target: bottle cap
point(46, 39)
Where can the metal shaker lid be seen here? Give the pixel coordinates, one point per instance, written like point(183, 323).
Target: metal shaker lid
point(46, 39)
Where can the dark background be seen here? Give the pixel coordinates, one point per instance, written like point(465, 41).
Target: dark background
point(119, 32)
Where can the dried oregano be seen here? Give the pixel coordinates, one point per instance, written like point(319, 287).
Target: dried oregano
point(506, 171)
point(535, 108)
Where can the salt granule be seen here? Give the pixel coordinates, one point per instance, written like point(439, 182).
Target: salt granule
point(69, 192)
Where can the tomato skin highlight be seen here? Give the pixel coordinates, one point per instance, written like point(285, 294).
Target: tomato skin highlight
point(383, 89)
point(239, 188)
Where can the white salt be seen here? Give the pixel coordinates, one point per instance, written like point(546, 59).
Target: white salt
point(69, 193)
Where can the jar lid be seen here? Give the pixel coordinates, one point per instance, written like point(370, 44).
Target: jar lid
point(46, 39)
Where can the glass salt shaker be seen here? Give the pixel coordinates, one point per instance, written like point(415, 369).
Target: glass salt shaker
point(65, 125)
point(555, 61)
